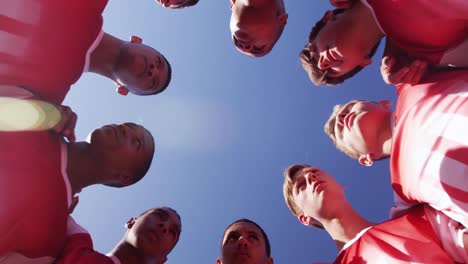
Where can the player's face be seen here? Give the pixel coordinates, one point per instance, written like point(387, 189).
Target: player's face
point(243, 243)
point(156, 232)
point(254, 31)
point(335, 48)
point(358, 126)
point(141, 69)
point(171, 3)
point(316, 193)
point(124, 146)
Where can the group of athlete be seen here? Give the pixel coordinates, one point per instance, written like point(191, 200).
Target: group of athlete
point(425, 136)
point(426, 58)
point(37, 197)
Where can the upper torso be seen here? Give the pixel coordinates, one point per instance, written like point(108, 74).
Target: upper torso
point(435, 31)
point(35, 194)
point(429, 158)
point(43, 43)
point(407, 239)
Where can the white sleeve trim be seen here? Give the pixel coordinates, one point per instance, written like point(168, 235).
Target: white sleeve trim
point(114, 259)
point(91, 49)
point(64, 160)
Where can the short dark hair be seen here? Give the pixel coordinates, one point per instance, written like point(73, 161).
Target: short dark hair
point(245, 220)
point(187, 4)
point(310, 65)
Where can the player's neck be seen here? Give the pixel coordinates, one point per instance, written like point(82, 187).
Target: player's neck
point(81, 166)
point(363, 21)
point(345, 225)
point(104, 57)
point(386, 135)
point(128, 254)
point(268, 4)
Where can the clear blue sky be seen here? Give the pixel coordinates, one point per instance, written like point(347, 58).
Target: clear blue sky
point(226, 128)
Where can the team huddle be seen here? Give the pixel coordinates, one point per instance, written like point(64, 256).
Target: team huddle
point(425, 58)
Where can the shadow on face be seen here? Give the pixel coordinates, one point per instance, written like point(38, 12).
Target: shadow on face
point(244, 242)
point(155, 232)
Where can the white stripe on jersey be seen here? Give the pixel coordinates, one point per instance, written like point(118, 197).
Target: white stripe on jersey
point(450, 126)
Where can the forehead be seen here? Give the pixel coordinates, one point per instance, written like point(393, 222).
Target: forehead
point(243, 227)
point(166, 212)
point(148, 141)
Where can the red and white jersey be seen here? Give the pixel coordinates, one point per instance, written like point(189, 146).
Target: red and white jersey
point(43, 43)
point(35, 194)
point(407, 239)
point(434, 30)
point(79, 248)
point(450, 234)
point(429, 157)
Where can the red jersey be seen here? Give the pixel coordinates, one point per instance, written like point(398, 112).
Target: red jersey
point(433, 30)
point(79, 248)
point(35, 193)
point(429, 156)
point(407, 239)
point(43, 43)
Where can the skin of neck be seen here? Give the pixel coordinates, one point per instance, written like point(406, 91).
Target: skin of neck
point(82, 167)
point(259, 3)
point(386, 134)
point(361, 19)
point(104, 57)
point(128, 254)
point(344, 225)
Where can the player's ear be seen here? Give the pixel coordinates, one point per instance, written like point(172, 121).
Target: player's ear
point(232, 2)
point(366, 160)
point(283, 19)
point(125, 178)
point(218, 261)
point(305, 220)
point(136, 39)
point(122, 90)
point(130, 222)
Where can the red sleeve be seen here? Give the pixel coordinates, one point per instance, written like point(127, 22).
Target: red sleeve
point(79, 250)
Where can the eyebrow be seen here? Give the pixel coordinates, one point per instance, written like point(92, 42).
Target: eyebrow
point(253, 233)
point(256, 50)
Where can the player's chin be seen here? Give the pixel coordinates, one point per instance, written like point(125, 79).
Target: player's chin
point(252, 54)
